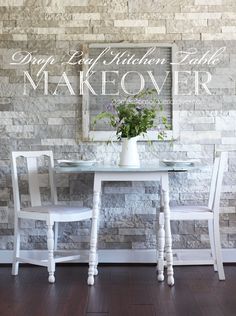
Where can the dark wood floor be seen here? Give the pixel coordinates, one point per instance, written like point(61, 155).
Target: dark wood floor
point(119, 290)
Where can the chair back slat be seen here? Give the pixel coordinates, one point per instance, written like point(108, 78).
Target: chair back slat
point(15, 185)
point(33, 181)
point(213, 182)
point(52, 180)
point(217, 179)
point(222, 166)
point(33, 178)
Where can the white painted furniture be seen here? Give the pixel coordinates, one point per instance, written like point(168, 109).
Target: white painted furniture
point(51, 214)
point(115, 173)
point(209, 213)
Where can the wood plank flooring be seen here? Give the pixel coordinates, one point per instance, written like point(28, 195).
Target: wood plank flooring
point(124, 290)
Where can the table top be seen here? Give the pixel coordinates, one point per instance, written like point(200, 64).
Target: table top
point(114, 168)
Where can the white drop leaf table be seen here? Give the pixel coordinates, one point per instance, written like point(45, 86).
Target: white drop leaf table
point(104, 173)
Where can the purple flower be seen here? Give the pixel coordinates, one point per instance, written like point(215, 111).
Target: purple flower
point(111, 108)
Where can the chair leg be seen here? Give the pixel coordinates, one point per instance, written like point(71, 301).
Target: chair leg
point(212, 242)
point(51, 261)
point(55, 235)
point(161, 246)
point(16, 251)
point(218, 251)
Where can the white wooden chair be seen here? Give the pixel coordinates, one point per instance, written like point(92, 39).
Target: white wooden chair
point(209, 213)
point(52, 214)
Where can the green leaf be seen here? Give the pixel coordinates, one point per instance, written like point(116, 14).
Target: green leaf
point(134, 116)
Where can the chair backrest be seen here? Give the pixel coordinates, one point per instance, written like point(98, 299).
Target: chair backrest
point(34, 189)
point(216, 181)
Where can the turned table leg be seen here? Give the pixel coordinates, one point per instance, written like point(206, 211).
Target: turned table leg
point(51, 261)
point(168, 239)
point(93, 260)
point(160, 240)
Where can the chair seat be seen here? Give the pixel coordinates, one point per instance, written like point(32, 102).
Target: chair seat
point(58, 213)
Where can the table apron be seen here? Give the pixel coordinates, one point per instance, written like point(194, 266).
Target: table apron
point(100, 177)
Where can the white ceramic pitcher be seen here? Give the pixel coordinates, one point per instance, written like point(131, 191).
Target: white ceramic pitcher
point(129, 156)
